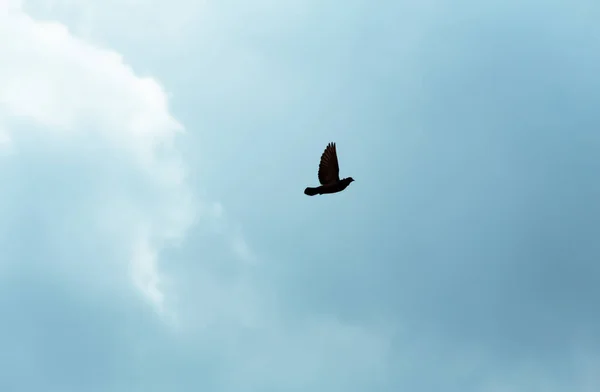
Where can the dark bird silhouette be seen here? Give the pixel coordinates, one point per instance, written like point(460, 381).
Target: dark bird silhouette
point(329, 174)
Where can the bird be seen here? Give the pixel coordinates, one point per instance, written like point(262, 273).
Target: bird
point(329, 174)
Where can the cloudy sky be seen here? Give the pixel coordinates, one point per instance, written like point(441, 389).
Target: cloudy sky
point(154, 236)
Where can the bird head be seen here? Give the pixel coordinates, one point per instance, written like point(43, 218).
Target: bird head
point(350, 179)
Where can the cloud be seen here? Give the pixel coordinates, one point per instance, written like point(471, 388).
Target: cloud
point(66, 101)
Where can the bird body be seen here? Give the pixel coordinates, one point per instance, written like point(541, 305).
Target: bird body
point(330, 188)
point(329, 174)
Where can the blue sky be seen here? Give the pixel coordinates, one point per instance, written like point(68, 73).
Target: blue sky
point(154, 232)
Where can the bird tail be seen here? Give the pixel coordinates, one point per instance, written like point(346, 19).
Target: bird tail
point(311, 191)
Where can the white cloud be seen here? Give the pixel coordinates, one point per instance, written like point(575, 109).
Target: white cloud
point(85, 101)
point(145, 274)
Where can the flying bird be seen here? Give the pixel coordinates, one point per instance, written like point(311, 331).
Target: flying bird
point(329, 174)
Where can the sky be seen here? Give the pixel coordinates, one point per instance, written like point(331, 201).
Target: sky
point(154, 233)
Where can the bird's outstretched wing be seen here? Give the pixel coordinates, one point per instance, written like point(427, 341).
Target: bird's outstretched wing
point(329, 171)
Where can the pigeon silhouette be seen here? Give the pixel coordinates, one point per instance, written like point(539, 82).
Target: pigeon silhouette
point(329, 174)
